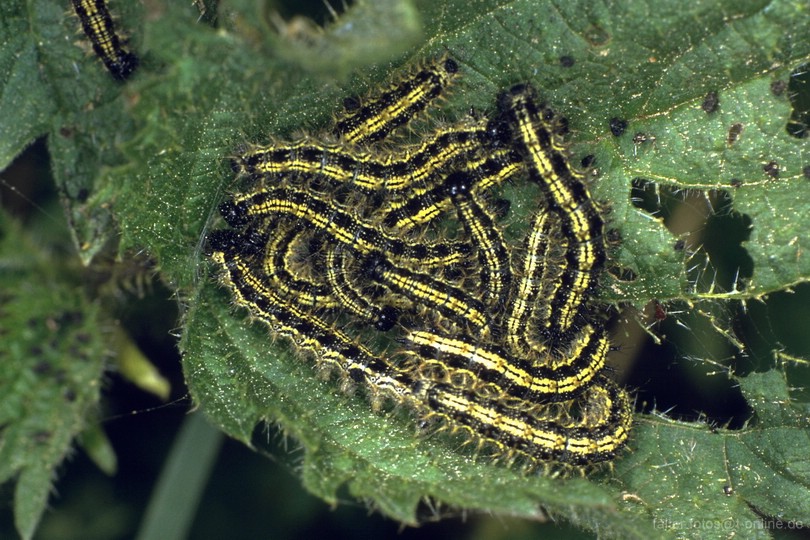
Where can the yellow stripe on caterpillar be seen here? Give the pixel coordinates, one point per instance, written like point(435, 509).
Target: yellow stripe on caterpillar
point(378, 116)
point(414, 167)
point(548, 379)
point(98, 26)
point(566, 194)
point(340, 225)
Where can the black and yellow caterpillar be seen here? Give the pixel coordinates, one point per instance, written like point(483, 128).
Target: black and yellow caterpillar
point(338, 241)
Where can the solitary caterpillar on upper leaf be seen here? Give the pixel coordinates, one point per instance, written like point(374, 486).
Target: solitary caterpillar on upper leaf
point(98, 26)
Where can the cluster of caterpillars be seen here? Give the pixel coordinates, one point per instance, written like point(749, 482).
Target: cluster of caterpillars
point(388, 263)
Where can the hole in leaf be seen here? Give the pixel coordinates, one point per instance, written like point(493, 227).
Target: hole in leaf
point(799, 95)
point(320, 12)
point(686, 375)
point(711, 232)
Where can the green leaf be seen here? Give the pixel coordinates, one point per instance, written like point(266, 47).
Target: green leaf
point(147, 162)
point(50, 368)
point(718, 480)
point(659, 92)
point(24, 103)
point(53, 88)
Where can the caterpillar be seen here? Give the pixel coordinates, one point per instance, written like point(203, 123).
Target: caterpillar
point(411, 168)
point(507, 425)
point(427, 205)
point(379, 116)
point(424, 290)
point(496, 275)
point(98, 26)
point(500, 341)
point(567, 196)
point(340, 225)
point(383, 318)
point(525, 378)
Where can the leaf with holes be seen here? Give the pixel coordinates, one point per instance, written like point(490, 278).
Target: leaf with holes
point(705, 186)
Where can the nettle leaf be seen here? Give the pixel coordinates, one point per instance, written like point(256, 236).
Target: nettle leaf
point(147, 163)
point(54, 87)
point(52, 360)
